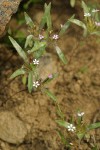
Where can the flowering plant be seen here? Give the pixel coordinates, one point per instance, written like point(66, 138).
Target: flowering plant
point(39, 38)
point(76, 127)
point(91, 22)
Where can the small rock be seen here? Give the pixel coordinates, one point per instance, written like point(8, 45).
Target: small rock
point(12, 130)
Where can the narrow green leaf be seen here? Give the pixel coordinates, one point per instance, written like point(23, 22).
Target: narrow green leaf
point(62, 137)
point(96, 33)
point(63, 123)
point(65, 26)
point(72, 3)
point(37, 46)
point(46, 17)
point(85, 7)
point(28, 20)
point(79, 23)
point(61, 55)
point(29, 41)
point(94, 126)
point(19, 49)
point(24, 79)
point(30, 82)
point(51, 95)
point(17, 73)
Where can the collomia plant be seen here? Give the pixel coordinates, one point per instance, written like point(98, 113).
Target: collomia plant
point(76, 130)
point(35, 47)
point(39, 38)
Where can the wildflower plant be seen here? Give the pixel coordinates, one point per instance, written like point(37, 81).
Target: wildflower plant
point(39, 38)
point(90, 23)
point(76, 128)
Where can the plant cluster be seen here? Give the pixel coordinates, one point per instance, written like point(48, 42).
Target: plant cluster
point(36, 44)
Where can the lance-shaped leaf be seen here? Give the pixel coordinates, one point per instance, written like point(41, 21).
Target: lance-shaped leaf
point(61, 55)
point(19, 49)
point(72, 3)
point(79, 23)
point(65, 26)
point(17, 73)
point(93, 126)
point(63, 123)
point(63, 138)
point(96, 33)
point(46, 18)
point(29, 41)
point(85, 7)
point(51, 95)
point(28, 20)
point(37, 46)
point(30, 82)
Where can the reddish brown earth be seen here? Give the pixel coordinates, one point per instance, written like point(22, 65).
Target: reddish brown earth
point(75, 89)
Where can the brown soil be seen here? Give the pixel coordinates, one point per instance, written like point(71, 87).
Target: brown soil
point(75, 89)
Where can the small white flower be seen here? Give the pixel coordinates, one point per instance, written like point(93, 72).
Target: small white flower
point(55, 36)
point(97, 24)
point(41, 37)
point(36, 84)
point(71, 127)
point(80, 114)
point(61, 25)
point(95, 10)
point(87, 14)
point(36, 62)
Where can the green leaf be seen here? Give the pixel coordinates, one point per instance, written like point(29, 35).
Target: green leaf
point(72, 3)
point(62, 138)
point(17, 73)
point(28, 20)
point(19, 49)
point(51, 95)
point(30, 82)
point(61, 55)
point(63, 123)
point(29, 41)
point(37, 46)
point(79, 23)
point(65, 26)
point(85, 7)
point(80, 135)
point(93, 126)
point(96, 33)
point(46, 18)
point(24, 79)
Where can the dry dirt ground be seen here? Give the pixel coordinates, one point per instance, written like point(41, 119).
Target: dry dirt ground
point(77, 87)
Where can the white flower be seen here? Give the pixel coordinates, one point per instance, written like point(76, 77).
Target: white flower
point(55, 36)
point(61, 25)
point(95, 10)
point(71, 127)
point(36, 62)
point(36, 84)
point(87, 14)
point(97, 24)
point(41, 37)
point(80, 114)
